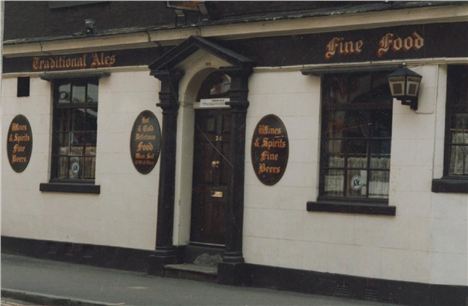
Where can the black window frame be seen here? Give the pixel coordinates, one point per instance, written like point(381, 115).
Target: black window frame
point(325, 113)
point(57, 107)
point(453, 107)
point(452, 183)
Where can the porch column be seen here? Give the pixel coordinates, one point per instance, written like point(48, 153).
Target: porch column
point(165, 252)
point(229, 269)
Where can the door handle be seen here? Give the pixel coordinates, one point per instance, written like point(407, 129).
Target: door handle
point(215, 164)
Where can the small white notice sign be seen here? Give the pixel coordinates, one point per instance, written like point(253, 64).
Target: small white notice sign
point(213, 103)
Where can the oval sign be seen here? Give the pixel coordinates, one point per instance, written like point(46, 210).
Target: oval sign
point(145, 142)
point(19, 143)
point(270, 149)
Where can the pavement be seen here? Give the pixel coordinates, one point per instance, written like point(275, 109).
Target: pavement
point(48, 282)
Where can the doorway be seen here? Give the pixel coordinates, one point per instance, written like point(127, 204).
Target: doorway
point(211, 175)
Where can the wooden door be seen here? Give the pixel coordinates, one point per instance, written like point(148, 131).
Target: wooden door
point(211, 174)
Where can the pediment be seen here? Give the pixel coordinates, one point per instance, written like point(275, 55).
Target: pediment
point(176, 55)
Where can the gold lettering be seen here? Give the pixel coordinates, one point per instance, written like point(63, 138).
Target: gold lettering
point(408, 43)
point(340, 46)
point(358, 46)
point(332, 46)
point(95, 61)
point(266, 155)
point(349, 47)
point(418, 40)
point(384, 44)
point(396, 43)
point(263, 168)
point(19, 127)
point(15, 159)
point(141, 146)
point(35, 63)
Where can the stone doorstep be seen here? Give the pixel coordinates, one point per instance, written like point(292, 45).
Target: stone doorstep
point(192, 271)
point(188, 267)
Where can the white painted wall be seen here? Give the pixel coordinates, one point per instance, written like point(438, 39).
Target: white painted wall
point(425, 242)
point(124, 213)
point(427, 239)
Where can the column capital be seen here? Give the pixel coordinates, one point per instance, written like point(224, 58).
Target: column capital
point(169, 92)
point(239, 87)
point(173, 75)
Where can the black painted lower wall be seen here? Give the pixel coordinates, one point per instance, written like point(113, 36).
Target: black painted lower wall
point(395, 292)
point(95, 255)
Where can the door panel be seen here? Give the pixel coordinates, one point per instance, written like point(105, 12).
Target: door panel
point(211, 174)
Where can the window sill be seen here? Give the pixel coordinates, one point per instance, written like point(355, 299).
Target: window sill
point(450, 185)
point(70, 187)
point(351, 208)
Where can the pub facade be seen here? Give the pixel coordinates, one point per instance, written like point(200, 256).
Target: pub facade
point(261, 141)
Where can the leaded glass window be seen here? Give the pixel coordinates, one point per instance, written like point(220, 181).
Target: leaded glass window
point(456, 154)
point(74, 129)
point(356, 136)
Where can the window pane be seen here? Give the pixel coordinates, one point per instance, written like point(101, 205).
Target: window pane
point(75, 167)
point(457, 160)
point(89, 167)
point(63, 143)
point(64, 93)
point(459, 136)
point(348, 124)
point(62, 167)
point(90, 151)
point(357, 153)
point(335, 153)
point(381, 123)
point(79, 93)
point(335, 124)
point(79, 138)
point(378, 184)
point(336, 91)
point(78, 119)
point(92, 93)
point(89, 138)
point(380, 154)
point(369, 88)
point(460, 121)
point(62, 119)
point(356, 183)
point(333, 183)
point(91, 119)
point(360, 89)
point(76, 150)
point(336, 162)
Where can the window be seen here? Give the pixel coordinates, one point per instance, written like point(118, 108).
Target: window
point(356, 136)
point(456, 140)
point(74, 130)
point(22, 89)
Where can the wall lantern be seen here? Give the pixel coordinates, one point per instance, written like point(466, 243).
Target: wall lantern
point(404, 86)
